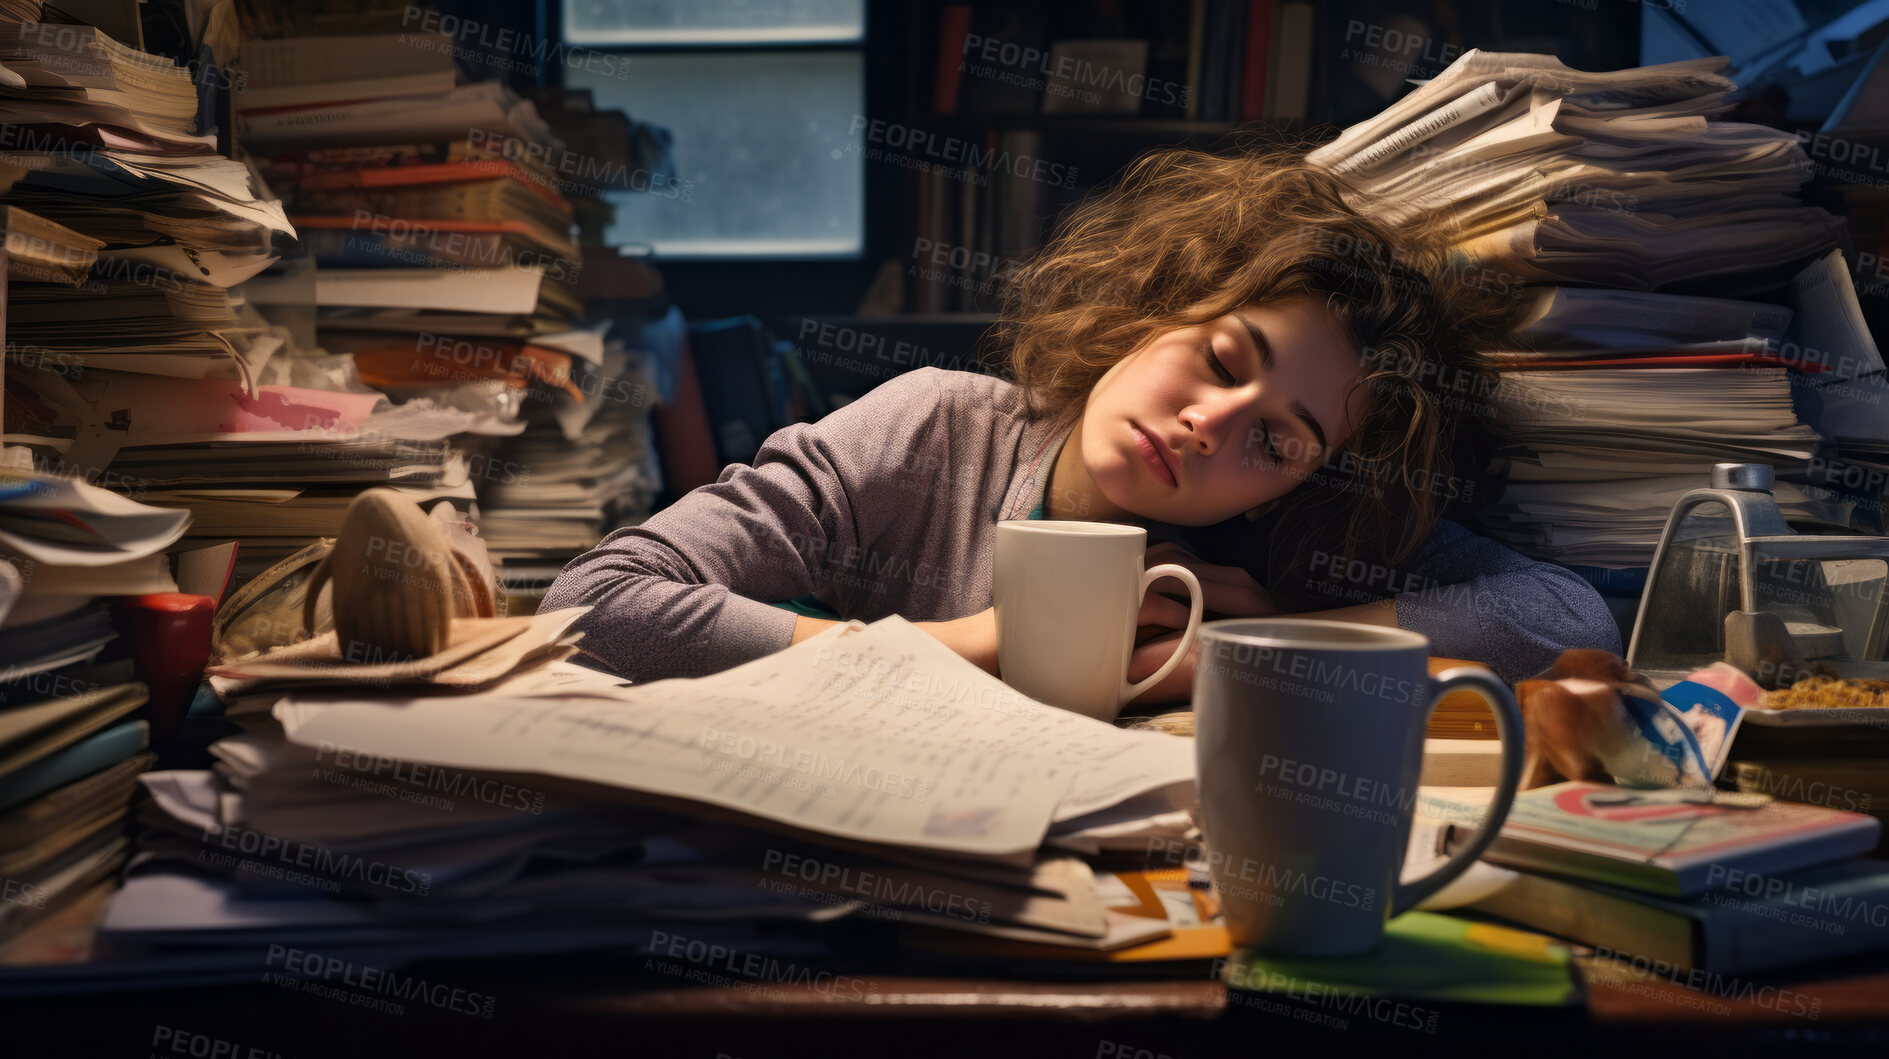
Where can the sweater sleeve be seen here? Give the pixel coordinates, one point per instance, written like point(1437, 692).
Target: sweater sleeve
point(1478, 599)
point(688, 592)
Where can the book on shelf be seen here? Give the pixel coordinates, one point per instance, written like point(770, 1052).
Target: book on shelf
point(995, 61)
point(1223, 37)
point(1255, 71)
point(510, 289)
point(954, 27)
point(1290, 68)
point(1095, 76)
point(295, 163)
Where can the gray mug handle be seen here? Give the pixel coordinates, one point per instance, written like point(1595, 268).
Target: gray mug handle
point(1508, 717)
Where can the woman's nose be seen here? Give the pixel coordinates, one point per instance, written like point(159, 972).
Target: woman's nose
point(1209, 423)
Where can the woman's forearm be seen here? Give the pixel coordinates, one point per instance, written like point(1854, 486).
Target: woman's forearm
point(806, 626)
point(1378, 612)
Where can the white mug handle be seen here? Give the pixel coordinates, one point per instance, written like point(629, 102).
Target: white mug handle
point(1149, 577)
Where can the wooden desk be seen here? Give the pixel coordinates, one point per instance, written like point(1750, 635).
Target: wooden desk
point(564, 1005)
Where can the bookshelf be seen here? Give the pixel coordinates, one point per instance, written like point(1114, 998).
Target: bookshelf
point(1213, 74)
point(1030, 108)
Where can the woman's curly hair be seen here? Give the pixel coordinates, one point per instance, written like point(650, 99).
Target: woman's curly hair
point(1186, 236)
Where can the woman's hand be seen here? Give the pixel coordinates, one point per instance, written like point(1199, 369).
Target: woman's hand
point(1177, 686)
point(1228, 591)
point(973, 637)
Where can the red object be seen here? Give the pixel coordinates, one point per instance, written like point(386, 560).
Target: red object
point(433, 173)
point(954, 26)
point(688, 445)
point(169, 637)
point(1258, 60)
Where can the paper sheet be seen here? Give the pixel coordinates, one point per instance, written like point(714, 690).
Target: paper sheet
point(877, 733)
point(57, 520)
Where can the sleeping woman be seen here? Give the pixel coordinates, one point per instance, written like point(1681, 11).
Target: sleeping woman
point(1226, 350)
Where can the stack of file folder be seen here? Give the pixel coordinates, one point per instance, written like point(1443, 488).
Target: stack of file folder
point(70, 750)
point(1680, 299)
point(546, 494)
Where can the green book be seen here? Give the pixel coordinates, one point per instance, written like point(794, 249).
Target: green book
point(1424, 956)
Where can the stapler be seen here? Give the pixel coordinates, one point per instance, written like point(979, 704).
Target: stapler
point(1731, 582)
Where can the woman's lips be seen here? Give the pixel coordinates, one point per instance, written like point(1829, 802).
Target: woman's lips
point(1151, 454)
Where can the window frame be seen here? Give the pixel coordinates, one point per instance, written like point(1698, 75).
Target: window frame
point(551, 21)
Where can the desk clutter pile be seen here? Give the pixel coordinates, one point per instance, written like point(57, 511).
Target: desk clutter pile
point(193, 378)
point(485, 796)
point(1683, 305)
point(489, 797)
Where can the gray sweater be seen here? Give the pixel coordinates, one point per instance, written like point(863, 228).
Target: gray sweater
point(889, 505)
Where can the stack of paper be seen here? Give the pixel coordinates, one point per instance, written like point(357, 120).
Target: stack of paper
point(68, 751)
point(305, 71)
point(109, 149)
point(272, 471)
point(868, 770)
point(153, 346)
point(448, 270)
point(1556, 175)
point(81, 79)
point(429, 205)
point(1626, 203)
point(546, 495)
point(167, 220)
point(487, 110)
point(155, 376)
point(1601, 439)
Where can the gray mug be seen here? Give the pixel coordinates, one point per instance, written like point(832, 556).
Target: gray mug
point(1309, 741)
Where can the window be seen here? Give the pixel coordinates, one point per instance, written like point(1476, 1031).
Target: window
point(602, 23)
point(762, 96)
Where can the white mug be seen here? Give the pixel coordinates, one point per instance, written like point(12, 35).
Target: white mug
point(1308, 736)
point(1068, 595)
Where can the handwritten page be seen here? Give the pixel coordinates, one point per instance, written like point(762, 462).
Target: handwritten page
point(876, 733)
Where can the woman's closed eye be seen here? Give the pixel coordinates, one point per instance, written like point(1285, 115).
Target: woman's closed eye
point(1219, 368)
point(1273, 457)
point(1272, 450)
